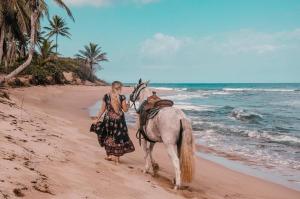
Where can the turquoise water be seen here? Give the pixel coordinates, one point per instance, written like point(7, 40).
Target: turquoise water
point(258, 122)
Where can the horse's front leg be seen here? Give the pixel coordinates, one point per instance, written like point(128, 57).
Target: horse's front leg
point(146, 156)
point(172, 151)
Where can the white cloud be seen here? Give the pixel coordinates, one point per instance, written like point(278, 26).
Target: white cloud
point(242, 42)
point(101, 3)
point(161, 45)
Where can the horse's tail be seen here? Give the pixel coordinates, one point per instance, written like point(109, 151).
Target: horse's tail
point(186, 151)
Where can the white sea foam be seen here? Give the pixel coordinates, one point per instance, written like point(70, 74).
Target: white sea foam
point(162, 88)
point(241, 114)
point(275, 138)
point(258, 89)
point(183, 96)
point(250, 133)
point(169, 89)
point(291, 103)
point(220, 93)
point(191, 107)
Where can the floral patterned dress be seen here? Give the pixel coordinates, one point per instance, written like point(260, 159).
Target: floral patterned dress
point(112, 132)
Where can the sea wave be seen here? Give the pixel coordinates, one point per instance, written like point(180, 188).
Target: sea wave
point(214, 129)
point(169, 89)
point(243, 115)
point(163, 88)
point(274, 137)
point(196, 94)
point(183, 96)
point(291, 103)
point(258, 89)
point(190, 107)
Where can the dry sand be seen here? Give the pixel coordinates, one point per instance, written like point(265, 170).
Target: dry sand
point(46, 151)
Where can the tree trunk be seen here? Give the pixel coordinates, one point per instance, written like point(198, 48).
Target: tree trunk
point(33, 19)
point(9, 51)
point(2, 35)
point(12, 55)
point(56, 43)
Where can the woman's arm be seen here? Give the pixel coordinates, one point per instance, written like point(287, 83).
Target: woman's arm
point(125, 106)
point(102, 110)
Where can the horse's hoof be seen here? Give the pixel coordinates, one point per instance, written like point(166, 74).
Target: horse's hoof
point(155, 167)
point(176, 187)
point(154, 174)
point(145, 171)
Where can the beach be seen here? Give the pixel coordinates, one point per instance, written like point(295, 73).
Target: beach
point(47, 151)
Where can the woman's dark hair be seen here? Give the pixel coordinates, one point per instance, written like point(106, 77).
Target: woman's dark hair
point(117, 83)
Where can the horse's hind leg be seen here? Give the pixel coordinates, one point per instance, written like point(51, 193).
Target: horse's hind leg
point(172, 151)
point(155, 166)
point(146, 157)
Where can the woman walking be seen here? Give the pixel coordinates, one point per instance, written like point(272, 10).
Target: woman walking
point(112, 132)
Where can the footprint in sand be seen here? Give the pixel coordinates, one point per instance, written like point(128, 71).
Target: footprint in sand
point(11, 157)
point(42, 186)
point(8, 137)
point(19, 191)
point(13, 122)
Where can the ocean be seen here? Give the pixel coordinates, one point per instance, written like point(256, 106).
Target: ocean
point(254, 125)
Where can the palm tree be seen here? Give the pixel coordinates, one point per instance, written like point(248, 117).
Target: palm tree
point(14, 22)
point(46, 51)
point(58, 27)
point(37, 9)
point(92, 56)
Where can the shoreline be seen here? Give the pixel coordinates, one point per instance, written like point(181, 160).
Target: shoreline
point(244, 165)
point(69, 105)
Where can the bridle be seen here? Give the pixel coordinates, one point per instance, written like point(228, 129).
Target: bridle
point(141, 133)
point(136, 93)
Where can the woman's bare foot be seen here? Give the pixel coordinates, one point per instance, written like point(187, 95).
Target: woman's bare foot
point(108, 158)
point(117, 160)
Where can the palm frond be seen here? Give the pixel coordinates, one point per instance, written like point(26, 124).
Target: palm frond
point(64, 6)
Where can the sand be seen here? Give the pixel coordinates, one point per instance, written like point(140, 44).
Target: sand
point(46, 151)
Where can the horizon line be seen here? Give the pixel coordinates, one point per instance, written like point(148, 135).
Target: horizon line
point(217, 83)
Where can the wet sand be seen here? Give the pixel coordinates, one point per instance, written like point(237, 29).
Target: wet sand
point(47, 152)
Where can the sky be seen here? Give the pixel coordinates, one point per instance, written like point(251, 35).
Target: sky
point(197, 41)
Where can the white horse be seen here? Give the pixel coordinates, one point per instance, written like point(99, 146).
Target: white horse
point(171, 127)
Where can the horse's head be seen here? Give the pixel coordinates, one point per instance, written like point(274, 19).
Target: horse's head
point(138, 91)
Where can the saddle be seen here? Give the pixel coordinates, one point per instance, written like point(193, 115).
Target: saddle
point(148, 110)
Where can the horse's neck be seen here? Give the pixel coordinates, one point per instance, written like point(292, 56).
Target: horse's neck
point(145, 94)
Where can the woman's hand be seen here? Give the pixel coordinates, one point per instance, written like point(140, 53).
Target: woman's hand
point(98, 118)
point(95, 120)
point(128, 104)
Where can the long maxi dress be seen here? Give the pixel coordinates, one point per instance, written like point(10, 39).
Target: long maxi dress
point(113, 132)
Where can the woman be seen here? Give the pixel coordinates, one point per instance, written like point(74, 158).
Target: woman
point(112, 132)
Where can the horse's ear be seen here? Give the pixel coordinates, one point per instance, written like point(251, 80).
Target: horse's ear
point(147, 82)
point(140, 80)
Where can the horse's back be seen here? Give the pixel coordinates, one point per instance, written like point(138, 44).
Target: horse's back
point(171, 112)
point(167, 122)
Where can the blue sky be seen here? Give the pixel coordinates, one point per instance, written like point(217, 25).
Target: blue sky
point(189, 40)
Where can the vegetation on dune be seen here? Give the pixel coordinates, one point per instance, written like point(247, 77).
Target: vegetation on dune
point(28, 55)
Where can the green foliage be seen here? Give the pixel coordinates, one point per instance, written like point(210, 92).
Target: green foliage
point(46, 67)
point(39, 74)
point(57, 27)
point(92, 55)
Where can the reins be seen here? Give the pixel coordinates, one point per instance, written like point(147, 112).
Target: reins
point(140, 134)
